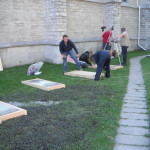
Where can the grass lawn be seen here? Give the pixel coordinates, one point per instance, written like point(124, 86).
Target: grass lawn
point(86, 119)
point(146, 71)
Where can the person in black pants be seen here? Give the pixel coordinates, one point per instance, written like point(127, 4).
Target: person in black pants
point(85, 57)
point(102, 59)
point(124, 42)
point(124, 55)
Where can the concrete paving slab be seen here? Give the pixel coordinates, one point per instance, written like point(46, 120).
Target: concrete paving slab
point(134, 110)
point(132, 140)
point(127, 147)
point(134, 123)
point(131, 105)
point(133, 131)
point(134, 116)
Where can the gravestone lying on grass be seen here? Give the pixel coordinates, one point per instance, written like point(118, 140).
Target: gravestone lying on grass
point(112, 67)
point(83, 74)
point(8, 111)
point(43, 84)
point(1, 66)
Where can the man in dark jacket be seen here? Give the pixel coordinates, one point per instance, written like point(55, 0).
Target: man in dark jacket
point(102, 59)
point(85, 58)
point(66, 47)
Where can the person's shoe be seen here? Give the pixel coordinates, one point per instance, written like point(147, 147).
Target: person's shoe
point(124, 64)
point(107, 77)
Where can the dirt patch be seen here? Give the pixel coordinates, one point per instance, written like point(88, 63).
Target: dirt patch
point(72, 92)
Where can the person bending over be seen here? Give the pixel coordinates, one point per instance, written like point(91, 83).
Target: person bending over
point(66, 47)
point(102, 59)
point(85, 57)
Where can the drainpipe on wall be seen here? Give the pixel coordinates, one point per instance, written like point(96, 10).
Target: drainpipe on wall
point(139, 29)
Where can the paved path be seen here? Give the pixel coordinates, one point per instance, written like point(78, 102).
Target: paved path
point(134, 124)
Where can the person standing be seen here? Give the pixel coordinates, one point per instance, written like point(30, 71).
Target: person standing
point(66, 47)
point(102, 59)
point(107, 40)
point(124, 42)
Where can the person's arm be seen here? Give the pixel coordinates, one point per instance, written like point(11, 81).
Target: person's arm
point(121, 35)
point(74, 47)
point(60, 48)
point(87, 60)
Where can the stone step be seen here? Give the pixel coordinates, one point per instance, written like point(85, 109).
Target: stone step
point(144, 106)
point(134, 116)
point(135, 110)
point(134, 123)
point(132, 140)
point(128, 147)
point(133, 130)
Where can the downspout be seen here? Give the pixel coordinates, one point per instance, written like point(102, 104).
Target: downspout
point(139, 28)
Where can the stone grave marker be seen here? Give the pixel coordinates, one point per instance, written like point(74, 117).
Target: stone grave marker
point(1, 66)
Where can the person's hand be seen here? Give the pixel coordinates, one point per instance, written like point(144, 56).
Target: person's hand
point(77, 55)
point(64, 56)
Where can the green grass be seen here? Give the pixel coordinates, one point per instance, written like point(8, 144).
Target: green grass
point(86, 119)
point(146, 71)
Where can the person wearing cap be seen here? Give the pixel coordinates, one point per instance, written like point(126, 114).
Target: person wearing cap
point(107, 40)
point(124, 42)
point(66, 47)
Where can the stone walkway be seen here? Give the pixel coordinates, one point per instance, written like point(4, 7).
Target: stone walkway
point(134, 124)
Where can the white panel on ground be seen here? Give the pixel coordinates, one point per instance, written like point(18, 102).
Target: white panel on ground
point(8, 111)
point(112, 67)
point(43, 84)
point(83, 74)
point(1, 66)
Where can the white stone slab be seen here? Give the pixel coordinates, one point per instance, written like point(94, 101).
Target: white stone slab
point(112, 67)
point(132, 140)
point(8, 111)
point(127, 147)
point(83, 74)
point(1, 66)
point(134, 123)
point(43, 84)
point(133, 130)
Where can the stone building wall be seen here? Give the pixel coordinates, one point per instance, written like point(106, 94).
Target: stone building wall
point(31, 30)
point(22, 20)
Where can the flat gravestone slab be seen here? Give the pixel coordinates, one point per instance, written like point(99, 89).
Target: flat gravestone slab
point(8, 111)
point(43, 84)
point(1, 66)
point(112, 67)
point(82, 74)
